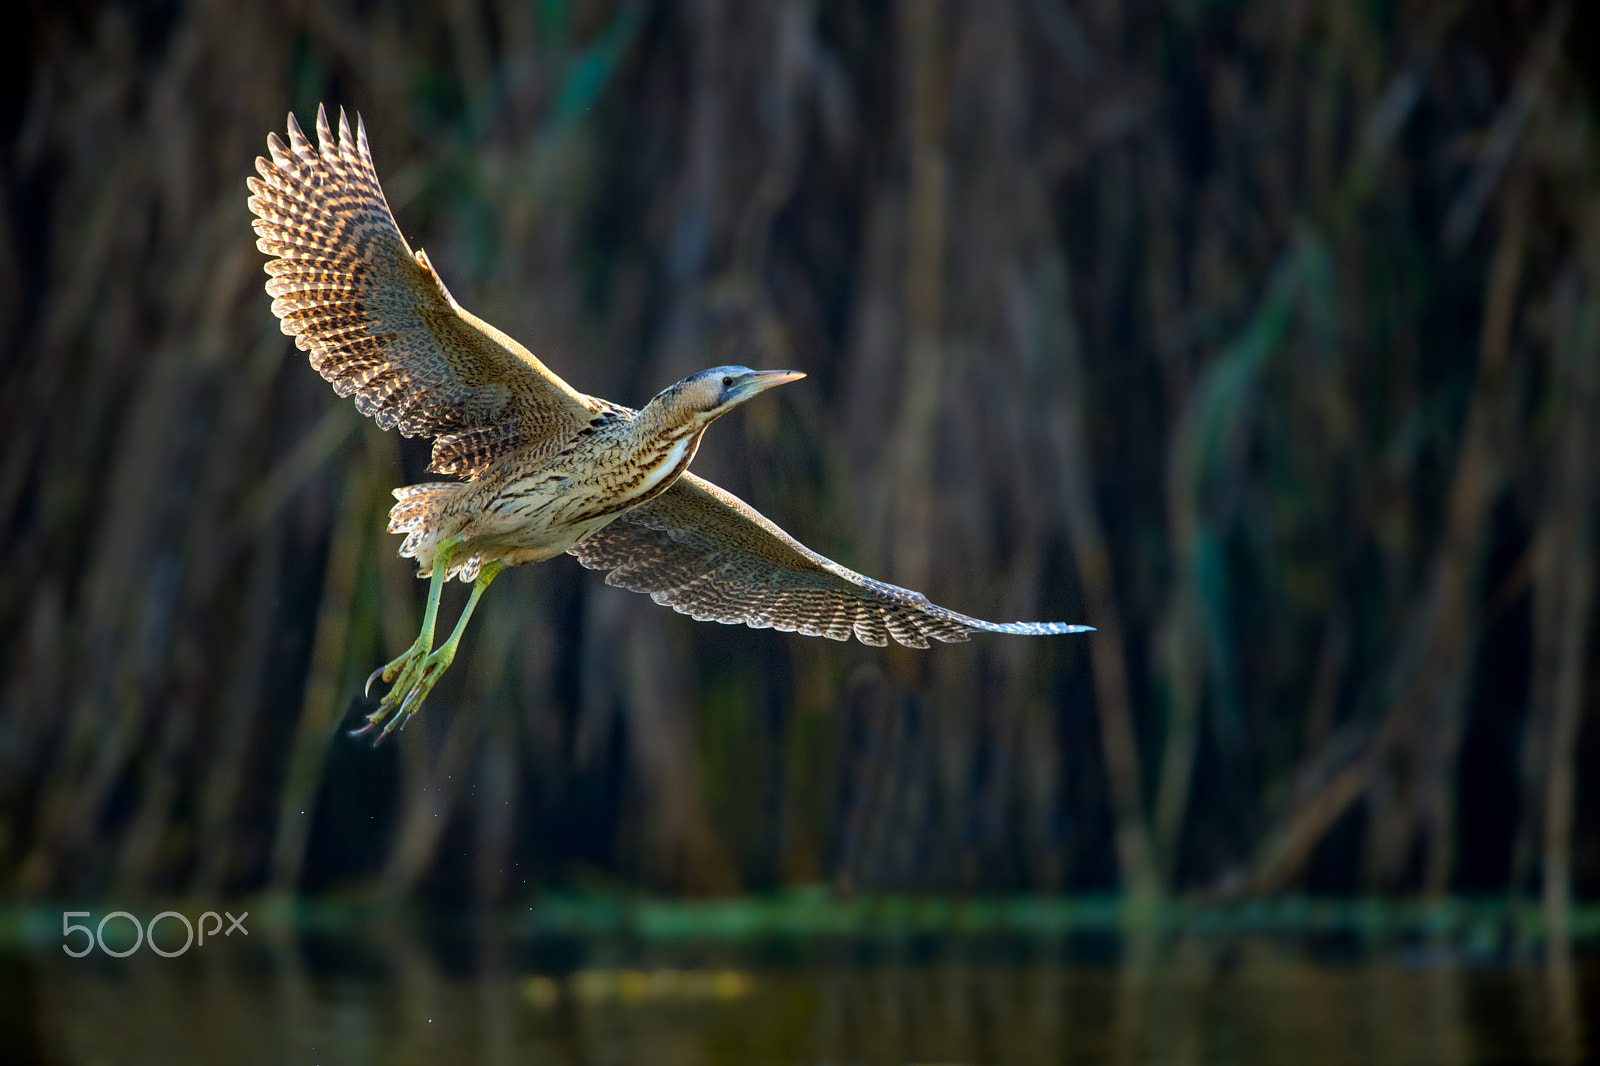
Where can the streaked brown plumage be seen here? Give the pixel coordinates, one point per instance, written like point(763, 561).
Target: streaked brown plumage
point(548, 469)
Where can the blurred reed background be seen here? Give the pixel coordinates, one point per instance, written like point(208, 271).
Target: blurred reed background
point(1262, 335)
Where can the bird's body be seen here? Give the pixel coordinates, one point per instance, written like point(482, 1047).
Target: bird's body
point(536, 503)
point(548, 469)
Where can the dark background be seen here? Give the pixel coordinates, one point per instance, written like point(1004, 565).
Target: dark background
point(1262, 335)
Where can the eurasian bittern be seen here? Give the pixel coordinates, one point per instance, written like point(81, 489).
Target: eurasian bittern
point(548, 469)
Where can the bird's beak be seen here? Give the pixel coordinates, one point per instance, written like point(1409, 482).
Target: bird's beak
point(762, 380)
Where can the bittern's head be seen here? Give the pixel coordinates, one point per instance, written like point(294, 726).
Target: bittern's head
point(713, 393)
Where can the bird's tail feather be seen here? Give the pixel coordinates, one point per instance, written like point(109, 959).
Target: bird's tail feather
point(416, 514)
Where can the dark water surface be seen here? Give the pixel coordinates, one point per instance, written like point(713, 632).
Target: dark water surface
point(406, 999)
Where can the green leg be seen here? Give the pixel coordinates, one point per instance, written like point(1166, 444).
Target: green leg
point(433, 665)
point(402, 670)
point(485, 575)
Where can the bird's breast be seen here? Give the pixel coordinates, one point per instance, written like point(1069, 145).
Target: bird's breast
point(642, 473)
point(665, 468)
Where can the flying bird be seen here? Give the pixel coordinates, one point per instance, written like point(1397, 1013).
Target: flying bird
point(545, 469)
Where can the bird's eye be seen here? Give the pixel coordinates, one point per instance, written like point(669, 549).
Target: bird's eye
point(727, 383)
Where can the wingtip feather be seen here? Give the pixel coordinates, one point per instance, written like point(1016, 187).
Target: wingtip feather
point(279, 152)
point(347, 142)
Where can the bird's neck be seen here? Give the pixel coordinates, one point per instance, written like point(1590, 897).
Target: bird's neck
point(664, 417)
point(663, 439)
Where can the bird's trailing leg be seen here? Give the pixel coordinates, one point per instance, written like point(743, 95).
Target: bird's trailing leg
point(403, 670)
point(437, 662)
point(418, 676)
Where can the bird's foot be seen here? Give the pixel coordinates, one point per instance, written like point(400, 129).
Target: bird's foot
point(413, 675)
point(390, 670)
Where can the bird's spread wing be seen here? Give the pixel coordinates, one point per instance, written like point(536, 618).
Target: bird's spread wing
point(706, 553)
point(377, 321)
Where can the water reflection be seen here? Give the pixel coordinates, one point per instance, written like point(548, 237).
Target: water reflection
point(401, 999)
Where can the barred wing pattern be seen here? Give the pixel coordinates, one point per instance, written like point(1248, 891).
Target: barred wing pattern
point(377, 321)
point(706, 553)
